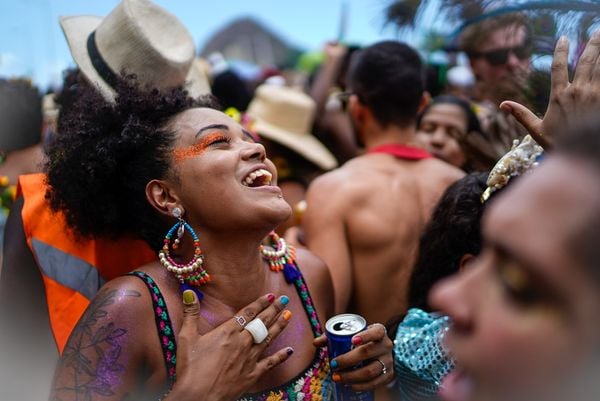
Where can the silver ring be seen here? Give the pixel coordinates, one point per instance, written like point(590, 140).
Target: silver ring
point(257, 330)
point(383, 367)
point(241, 320)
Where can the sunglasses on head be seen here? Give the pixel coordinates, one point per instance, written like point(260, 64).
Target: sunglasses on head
point(500, 56)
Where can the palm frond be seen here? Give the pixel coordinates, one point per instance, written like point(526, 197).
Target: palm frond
point(549, 17)
point(404, 13)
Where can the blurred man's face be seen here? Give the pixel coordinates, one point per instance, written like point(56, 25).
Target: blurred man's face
point(525, 315)
point(505, 54)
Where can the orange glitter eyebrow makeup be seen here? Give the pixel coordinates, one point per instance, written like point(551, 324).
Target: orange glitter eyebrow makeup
point(197, 149)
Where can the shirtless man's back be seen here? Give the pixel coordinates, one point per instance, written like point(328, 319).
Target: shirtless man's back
point(365, 218)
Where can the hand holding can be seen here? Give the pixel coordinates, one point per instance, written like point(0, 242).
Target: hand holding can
point(339, 331)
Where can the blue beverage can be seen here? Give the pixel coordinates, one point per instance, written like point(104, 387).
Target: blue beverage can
point(339, 331)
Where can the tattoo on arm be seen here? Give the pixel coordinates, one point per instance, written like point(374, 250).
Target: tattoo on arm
point(93, 352)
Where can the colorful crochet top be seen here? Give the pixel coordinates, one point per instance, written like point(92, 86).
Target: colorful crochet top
point(312, 384)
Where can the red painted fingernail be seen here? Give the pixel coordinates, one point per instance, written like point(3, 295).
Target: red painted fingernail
point(270, 298)
point(356, 340)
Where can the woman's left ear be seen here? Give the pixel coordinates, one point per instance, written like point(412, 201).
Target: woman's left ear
point(161, 197)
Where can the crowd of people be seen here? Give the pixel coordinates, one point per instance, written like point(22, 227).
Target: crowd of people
point(175, 233)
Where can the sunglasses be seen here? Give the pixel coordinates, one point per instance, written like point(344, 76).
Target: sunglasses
point(500, 56)
point(344, 99)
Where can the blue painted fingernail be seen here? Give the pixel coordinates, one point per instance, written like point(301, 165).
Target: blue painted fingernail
point(333, 364)
point(284, 300)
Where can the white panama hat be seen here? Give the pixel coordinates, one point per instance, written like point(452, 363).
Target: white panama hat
point(137, 37)
point(285, 115)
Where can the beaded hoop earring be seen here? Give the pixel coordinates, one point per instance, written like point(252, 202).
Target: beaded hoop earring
point(188, 274)
point(280, 256)
point(279, 253)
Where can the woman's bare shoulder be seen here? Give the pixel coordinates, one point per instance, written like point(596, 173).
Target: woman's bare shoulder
point(317, 276)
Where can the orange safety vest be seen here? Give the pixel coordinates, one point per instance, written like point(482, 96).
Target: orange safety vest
point(73, 271)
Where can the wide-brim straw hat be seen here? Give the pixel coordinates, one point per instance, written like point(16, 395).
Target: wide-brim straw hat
point(285, 115)
point(137, 37)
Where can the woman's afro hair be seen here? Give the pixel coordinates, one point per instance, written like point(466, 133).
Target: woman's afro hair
point(104, 154)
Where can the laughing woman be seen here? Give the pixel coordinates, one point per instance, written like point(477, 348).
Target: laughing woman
point(196, 187)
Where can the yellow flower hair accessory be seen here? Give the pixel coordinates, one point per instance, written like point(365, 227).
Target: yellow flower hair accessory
point(234, 113)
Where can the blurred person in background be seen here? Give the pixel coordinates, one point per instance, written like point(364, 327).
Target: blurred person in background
point(22, 119)
point(449, 129)
point(499, 49)
point(460, 82)
point(227, 86)
point(332, 123)
point(21, 128)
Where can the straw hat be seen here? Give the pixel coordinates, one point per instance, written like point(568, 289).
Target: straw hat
point(285, 115)
point(137, 37)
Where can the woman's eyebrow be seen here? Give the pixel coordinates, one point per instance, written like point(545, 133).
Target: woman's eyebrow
point(212, 126)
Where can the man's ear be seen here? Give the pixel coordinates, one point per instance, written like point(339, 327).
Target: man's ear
point(425, 99)
point(358, 111)
point(465, 261)
point(162, 198)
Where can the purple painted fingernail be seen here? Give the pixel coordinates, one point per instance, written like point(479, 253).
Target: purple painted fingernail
point(289, 351)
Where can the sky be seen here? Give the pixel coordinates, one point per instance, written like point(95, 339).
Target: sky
point(32, 43)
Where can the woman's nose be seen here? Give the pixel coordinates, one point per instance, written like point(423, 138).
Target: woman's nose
point(254, 150)
point(451, 297)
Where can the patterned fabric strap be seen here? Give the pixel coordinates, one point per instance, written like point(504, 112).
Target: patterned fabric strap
point(307, 302)
point(163, 325)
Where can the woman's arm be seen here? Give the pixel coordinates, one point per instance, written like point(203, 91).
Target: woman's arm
point(108, 356)
point(102, 359)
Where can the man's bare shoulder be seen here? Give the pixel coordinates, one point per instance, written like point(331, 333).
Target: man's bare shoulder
point(341, 181)
point(371, 170)
point(442, 170)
